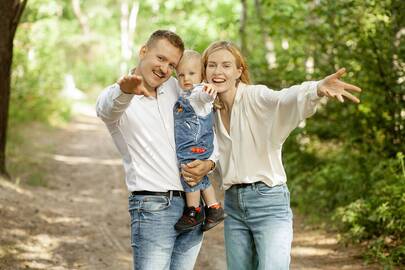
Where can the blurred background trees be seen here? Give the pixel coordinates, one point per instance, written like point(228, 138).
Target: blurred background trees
point(345, 165)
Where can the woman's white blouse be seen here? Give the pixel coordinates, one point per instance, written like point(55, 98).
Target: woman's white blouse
point(261, 120)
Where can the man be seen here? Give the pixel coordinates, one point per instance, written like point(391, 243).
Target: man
point(138, 112)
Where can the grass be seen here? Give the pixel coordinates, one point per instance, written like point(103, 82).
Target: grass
point(26, 147)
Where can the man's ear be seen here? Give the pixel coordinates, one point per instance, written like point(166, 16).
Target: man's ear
point(142, 52)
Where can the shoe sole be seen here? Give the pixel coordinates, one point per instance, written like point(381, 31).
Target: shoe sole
point(211, 225)
point(187, 229)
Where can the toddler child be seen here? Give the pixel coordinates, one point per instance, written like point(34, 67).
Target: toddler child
point(194, 135)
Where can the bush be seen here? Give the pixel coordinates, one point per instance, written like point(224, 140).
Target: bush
point(379, 217)
point(363, 196)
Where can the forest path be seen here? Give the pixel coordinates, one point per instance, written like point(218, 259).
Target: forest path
point(80, 219)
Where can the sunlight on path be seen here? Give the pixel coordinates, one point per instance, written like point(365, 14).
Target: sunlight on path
point(86, 160)
point(81, 220)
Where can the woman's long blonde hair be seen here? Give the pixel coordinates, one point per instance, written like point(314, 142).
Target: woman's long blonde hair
point(239, 60)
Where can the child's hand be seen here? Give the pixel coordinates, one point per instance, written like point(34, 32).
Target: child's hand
point(132, 84)
point(210, 90)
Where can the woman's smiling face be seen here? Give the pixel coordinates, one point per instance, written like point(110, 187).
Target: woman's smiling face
point(221, 70)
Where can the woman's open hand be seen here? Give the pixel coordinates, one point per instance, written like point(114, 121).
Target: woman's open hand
point(332, 87)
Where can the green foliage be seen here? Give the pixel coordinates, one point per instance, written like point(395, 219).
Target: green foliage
point(198, 22)
point(362, 195)
point(326, 172)
point(38, 67)
point(379, 217)
point(23, 163)
point(344, 162)
point(37, 180)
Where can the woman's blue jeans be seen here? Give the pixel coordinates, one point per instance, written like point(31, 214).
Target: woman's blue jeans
point(258, 229)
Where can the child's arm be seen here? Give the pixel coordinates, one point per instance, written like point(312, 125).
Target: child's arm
point(203, 93)
point(201, 99)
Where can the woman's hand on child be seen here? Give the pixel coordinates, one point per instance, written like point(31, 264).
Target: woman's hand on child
point(332, 87)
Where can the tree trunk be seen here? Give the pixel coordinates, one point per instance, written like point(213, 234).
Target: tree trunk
point(263, 31)
point(133, 16)
point(83, 21)
point(269, 52)
point(128, 25)
point(242, 29)
point(10, 12)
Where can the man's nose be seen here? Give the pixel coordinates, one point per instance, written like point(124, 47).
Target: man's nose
point(164, 68)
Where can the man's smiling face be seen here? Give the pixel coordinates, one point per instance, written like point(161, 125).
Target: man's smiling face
point(157, 62)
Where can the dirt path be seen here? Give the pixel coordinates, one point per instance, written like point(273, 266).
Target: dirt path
point(80, 220)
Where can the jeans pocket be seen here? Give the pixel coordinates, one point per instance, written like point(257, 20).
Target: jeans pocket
point(154, 203)
point(277, 196)
point(264, 190)
point(144, 212)
point(148, 203)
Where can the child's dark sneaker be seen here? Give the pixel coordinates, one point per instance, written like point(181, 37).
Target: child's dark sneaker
point(192, 217)
point(214, 215)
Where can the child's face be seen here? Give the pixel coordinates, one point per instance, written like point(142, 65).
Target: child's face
point(189, 72)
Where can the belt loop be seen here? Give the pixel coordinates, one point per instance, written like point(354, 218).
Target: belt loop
point(254, 186)
point(170, 194)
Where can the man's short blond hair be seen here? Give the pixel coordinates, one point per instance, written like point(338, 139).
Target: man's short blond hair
point(170, 36)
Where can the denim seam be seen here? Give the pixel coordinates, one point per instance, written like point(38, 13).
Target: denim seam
point(198, 131)
point(241, 203)
point(286, 200)
point(139, 225)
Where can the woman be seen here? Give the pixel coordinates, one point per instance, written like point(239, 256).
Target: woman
point(252, 123)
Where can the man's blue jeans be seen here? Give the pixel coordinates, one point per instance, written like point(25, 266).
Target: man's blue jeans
point(156, 245)
point(258, 229)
